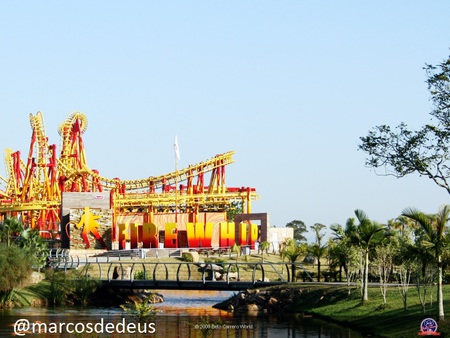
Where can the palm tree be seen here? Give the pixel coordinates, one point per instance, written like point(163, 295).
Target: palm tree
point(31, 240)
point(342, 250)
point(435, 239)
point(10, 226)
point(366, 236)
point(347, 254)
point(292, 250)
point(402, 224)
point(318, 251)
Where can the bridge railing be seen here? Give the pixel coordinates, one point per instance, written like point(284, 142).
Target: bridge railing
point(161, 272)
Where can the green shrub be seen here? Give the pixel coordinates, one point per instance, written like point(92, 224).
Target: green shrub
point(139, 275)
point(82, 289)
point(59, 288)
point(15, 269)
point(140, 311)
point(187, 257)
point(233, 269)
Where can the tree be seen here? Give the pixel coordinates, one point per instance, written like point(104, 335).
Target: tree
point(235, 249)
point(426, 151)
point(418, 259)
point(264, 247)
point(10, 227)
point(436, 239)
point(19, 249)
point(401, 226)
point(343, 250)
point(404, 258)
point(383, 261)
point(31, 240)
point(317, 249)
point(235, 208)
point(317, 228)
point(366, 236)
point(292, 251)
point(318, 252)
point(15, 268)
point(299, 228)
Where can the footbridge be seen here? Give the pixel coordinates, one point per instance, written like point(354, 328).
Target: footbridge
point(135, 273)
point(195, 276)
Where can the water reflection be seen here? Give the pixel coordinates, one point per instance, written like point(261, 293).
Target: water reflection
point(183, 314)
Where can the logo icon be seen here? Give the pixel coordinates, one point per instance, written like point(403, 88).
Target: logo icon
point(428, 327)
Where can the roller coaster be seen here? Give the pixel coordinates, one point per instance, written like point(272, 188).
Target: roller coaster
point(33, 188)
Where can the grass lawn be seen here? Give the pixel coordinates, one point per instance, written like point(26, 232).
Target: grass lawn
point(389, 320)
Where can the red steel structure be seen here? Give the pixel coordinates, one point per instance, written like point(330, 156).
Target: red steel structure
point(33, 188)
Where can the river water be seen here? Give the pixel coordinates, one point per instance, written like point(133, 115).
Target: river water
point(186, 314)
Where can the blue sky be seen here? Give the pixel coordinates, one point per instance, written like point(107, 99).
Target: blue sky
point(289, 85)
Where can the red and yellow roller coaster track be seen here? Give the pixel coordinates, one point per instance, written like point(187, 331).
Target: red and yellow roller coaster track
point(33, 188)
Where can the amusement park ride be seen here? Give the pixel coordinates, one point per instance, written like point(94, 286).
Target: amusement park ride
point(179, 209)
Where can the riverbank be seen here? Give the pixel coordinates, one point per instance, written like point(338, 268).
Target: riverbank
point(58, 291)
point(333, 303)
point(329, 302)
